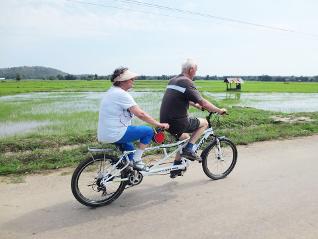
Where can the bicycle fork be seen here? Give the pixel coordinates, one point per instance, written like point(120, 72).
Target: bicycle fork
point(218, 152)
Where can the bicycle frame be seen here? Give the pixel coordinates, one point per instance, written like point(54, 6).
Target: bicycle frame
point(157, 168)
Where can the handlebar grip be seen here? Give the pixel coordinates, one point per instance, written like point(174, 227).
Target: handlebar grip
point(224, 113)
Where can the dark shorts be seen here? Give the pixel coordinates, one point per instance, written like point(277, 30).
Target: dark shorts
point(184, 125)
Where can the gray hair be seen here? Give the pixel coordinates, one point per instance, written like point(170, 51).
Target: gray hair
point(189, 63)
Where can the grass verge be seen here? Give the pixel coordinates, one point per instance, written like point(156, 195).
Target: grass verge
point(35, 153)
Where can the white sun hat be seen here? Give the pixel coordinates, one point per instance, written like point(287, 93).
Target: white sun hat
point(126, 75)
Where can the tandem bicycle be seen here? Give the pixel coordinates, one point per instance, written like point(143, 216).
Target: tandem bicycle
point(102, 178)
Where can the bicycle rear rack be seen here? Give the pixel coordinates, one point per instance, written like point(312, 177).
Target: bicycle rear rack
point(99, 150)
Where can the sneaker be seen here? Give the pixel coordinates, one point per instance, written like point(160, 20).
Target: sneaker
point(189, 154)
point(141, 166)
point(178, 172)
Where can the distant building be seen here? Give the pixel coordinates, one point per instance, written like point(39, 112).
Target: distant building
point(235, 81)
point(2, 78)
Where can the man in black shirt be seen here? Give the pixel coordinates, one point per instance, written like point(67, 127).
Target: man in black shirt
point(181, 93)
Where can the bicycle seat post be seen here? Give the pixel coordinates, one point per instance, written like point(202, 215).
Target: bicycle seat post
point(165, 152)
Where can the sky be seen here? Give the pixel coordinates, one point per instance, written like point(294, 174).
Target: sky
point(97, 36)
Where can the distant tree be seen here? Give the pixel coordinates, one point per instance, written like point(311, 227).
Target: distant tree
point(164, 77)
point(60, 77)
point(302, 78)
point(265, 78)
point(103, 78)
point(70, 77)
point(108, 77)
point(95, 77)
point(142, 77)
point(52, 78)
point(90, 77)
point(18, 77)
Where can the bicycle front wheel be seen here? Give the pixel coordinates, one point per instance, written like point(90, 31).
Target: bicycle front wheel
point(87, 181)
point(219, 158)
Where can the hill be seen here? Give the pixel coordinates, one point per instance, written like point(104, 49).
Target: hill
point(30, 72)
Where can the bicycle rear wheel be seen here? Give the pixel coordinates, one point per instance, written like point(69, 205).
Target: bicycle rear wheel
point(219, 159)
point(87, 186)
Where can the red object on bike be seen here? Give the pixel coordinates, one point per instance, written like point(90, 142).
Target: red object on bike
point(159, 136)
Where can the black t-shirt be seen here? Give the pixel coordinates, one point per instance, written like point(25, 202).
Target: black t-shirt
point(175, 102)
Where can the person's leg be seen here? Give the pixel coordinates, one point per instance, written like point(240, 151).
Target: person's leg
point(177, 160)
point(146, 133)
point(127, 146)
point(197, 126)
point(142, 133)
point(182, 137)
point(199, 131)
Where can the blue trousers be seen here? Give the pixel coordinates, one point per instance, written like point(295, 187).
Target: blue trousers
point(133, 133)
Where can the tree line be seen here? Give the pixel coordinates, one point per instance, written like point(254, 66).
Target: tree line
point(47, 73)
point(89, 77)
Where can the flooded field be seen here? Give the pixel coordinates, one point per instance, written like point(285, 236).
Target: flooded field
point(46, 112)
point(278, 102)
point(65, 111)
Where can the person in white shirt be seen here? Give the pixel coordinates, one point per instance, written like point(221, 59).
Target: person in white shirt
point(116, 111)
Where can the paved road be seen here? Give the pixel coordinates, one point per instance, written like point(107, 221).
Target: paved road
point(272, 193)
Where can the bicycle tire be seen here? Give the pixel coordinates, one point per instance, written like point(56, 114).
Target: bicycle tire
point(77, 190)
point(229, 154)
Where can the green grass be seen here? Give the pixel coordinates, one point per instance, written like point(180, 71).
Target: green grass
point(36, 152)
point(9, 87)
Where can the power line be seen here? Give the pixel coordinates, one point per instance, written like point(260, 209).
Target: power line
point(194, 13)
point(213, 16)
point(124, 8)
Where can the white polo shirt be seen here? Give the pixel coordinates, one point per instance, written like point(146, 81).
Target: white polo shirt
point(114, 117)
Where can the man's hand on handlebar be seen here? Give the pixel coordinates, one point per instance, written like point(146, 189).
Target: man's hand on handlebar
point(222, 111)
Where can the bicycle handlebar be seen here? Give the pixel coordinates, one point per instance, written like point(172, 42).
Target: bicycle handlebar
point(215, 113)
point(208, 117)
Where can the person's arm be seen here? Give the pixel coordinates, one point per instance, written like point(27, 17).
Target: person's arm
point(210, 107)
point(136, 110)
point(196, 105)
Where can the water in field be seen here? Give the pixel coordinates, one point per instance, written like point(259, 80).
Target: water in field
point(279, 102)
point(12, 128)
point(61, 110)
point(64, 102)
point(49, 112)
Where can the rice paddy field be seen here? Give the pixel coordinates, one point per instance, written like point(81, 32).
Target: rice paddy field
point(49, 124)
point(8, 87)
